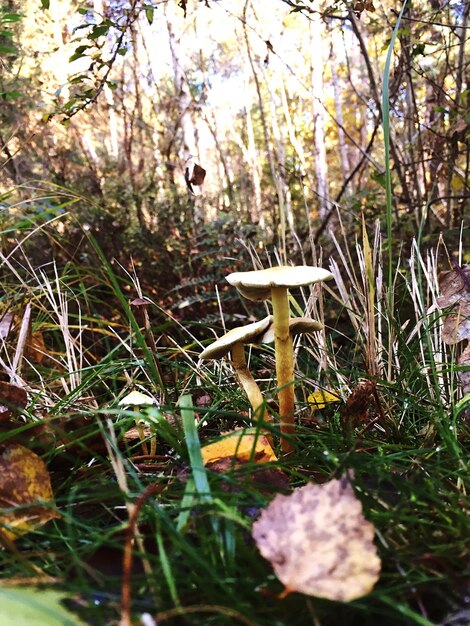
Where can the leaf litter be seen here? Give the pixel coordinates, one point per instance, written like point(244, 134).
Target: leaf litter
point(319, 542)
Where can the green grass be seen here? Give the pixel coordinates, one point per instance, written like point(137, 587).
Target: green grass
point(409, 492)
point(198, 563)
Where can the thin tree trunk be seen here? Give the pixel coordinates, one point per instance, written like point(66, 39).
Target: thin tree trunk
point(112, 143)
point(280, 150)
point(317, 35)
point(185, 105)
point(274, 177)
point(256, 208)
point(455, 209)
point(337, 94)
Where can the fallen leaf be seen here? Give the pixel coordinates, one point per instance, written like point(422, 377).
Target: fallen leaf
point(321, 398)
point(464, 375)
point(12, 400)
point(456, 326)
point(360, 404)
point(454, 286)
point(319, 542)
point(28, 606)
point(267, 480)
point(204, 401)
point(239, 445)
point(35, 348)
point(24, 481)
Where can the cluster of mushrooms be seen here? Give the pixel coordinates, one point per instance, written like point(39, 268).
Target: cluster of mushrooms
point(272, 283)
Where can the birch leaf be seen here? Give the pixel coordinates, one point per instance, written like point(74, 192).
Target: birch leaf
point(319, 542)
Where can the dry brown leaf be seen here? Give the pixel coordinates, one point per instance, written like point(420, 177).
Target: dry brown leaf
point(454, 286)
point(12, 399)
point(35, 348)
point(319, 543)
point(24, 480)
point(464, 376)
point(456, 325)
point(360, 405)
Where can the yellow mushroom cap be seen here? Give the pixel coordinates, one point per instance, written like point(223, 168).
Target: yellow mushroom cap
point(257, 284)
point(297, 326)
point(243, 334)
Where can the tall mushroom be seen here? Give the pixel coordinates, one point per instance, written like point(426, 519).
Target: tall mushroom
point(233, 342)
point(274, 283)
point(297, 326)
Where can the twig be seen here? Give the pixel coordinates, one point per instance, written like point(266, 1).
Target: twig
point(127, 559)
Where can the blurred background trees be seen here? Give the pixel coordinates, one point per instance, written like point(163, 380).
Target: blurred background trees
point(105, 102)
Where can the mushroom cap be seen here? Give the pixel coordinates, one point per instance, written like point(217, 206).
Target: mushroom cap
point(297, 326)
point(243, 334)
point(257, 284)
point(140, 302)
point(135, 398)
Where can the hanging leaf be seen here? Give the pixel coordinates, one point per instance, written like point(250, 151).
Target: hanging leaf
point(319, 543)
point(98, 31)
point(149, 14)
point(24, 484)
point(194, 174)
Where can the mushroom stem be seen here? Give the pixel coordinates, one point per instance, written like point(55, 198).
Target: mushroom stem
point(141, 432)
point(284, 364)
point(247, 382)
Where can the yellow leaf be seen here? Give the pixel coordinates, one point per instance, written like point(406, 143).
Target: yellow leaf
point(24, 485)
point(319, 543)
point(319, 399)
point(239, 445)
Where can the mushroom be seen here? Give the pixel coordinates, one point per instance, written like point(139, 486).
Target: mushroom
point(233, 342)
point(136, 399)
point(297, 326)
point(274, 283)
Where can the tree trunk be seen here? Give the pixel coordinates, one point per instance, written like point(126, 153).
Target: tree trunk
point(317, 36)
point(185, 106)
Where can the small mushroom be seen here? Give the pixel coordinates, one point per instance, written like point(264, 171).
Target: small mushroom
point(274, 283)
point(233, 342)
point(136, 399)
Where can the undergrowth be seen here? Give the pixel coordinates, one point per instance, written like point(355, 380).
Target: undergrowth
point(404, 443)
